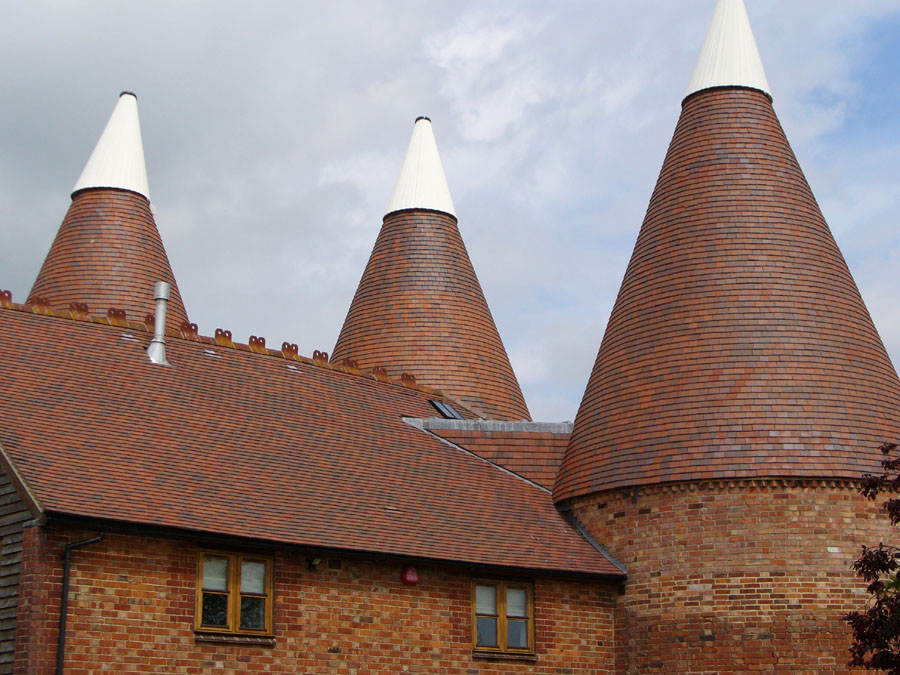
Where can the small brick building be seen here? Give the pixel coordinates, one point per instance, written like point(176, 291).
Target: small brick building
point(176, 503)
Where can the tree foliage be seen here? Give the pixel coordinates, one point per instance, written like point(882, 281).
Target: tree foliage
point(876, 630)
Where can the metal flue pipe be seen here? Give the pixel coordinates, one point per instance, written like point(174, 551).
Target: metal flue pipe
point(157, 349)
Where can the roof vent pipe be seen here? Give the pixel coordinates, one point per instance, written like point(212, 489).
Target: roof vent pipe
point(157, 349)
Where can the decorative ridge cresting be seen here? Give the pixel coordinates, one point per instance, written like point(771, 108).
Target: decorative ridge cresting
point(189, 332)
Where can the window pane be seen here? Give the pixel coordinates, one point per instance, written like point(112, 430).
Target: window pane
point(215, 574)
point(215, 610)
point(518, 634)
point(515, 602)
point(253, 613)
point(487, 632)
point(253, 577)
point(485, 600)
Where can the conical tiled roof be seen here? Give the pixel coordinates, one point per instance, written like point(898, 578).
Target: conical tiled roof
point(739, 345)
point(419, 307)
point(108, 252)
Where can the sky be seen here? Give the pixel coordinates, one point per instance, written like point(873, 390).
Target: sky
point(274, 132)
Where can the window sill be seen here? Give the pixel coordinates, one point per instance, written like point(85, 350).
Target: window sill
point(484, 655)
point(229, 639)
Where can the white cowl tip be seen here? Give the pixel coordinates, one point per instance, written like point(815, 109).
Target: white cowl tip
point(422, 183)
point(729, 56)
point(118, 158)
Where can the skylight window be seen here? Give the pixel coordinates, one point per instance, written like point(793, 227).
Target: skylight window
point(446, 410)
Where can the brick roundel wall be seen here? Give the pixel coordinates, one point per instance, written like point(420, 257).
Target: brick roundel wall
point(741, 576)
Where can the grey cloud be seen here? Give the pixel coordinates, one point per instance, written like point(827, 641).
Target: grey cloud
point(274, 132)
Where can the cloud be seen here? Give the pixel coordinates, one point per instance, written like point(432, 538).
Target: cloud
point(274, 136)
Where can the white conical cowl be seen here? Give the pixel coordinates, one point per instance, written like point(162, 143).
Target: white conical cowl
point(729, 56)
point(118, 158)
point(422, 183)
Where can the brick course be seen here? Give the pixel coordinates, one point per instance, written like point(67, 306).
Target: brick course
point(132, 610)
point(743, 576)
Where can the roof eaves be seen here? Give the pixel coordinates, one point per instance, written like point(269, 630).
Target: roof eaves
point(81, 521)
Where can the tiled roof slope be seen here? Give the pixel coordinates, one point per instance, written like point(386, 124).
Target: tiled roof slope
point(108, 253)
point(533, 451)
point(419, 308)
point(739, 345)
point(255, 445)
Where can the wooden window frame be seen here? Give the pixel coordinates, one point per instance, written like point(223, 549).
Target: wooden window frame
point(502, 628)
point(234, 594)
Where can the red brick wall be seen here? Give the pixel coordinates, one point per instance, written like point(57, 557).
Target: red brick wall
point(132, 610)
point(737, 576)
point(39, 587)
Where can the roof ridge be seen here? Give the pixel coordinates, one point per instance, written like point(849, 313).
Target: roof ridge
point(222, 337)
point(439, 423)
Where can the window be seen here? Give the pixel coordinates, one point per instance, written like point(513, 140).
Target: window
point(503, 616)
point(234, 594)
point(446, 410)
